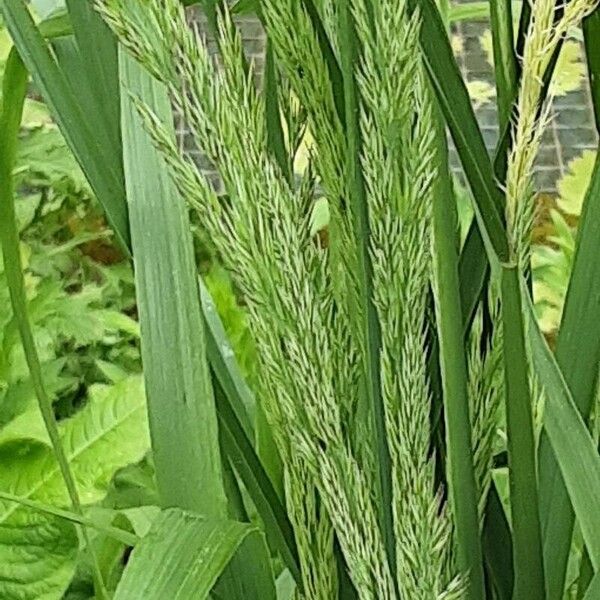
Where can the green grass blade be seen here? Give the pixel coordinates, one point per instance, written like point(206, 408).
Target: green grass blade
point(184, 555)
point(369, 323)
point(497, 543)
point(454, 100)
point(97, 50)
point(217, 348)
point(578, 347)
point(578, 355)
point(181, 408)
point(14, 88)
point(96, 160)
point(505, 60)
point(527, 540)
point(460, 470)
point(575, 450)
point(115, 533)
point(247, 465)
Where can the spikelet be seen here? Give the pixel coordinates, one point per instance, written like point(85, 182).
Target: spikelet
point(485, 391)
point(299, 312)
point(398, 153)
point(543, 37)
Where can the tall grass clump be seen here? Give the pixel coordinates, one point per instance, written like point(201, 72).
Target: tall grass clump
point(403, 377)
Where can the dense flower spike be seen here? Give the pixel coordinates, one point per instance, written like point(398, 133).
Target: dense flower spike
point(300, 309)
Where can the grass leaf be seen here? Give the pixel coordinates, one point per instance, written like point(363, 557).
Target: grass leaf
point(527, 540)
point(183, 555)
point(578, 356)
point(461, 474)
point(505, 60)
point(574, 448)
point(181, 406)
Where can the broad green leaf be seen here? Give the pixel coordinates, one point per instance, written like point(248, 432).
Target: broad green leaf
point(110, 432)
point(107, 434)
point(37, 556)
point(181, 407)
point(47, 509)
point(14, 87)
point(26, 426)
point(186, 554)
point(574, 448)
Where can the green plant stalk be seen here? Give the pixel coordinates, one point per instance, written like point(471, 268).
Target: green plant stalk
point(527, 540)
point(181, 407)
point(459, 467)
point(116, 533)
point(13, 98)
point(505, 60)
point(456, 106)
point(368, 315)
point(578, 355)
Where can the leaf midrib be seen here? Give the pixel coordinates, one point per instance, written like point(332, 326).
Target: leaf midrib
point(55, 469)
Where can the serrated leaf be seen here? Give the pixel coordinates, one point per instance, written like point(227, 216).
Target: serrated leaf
point(107, 434)
point(37, 556)
point(572, 187)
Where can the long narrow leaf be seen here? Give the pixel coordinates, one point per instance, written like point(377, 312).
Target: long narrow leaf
point(527, 539)
point(181, 408)
point(455, 103)
point(461, 473)
point(114, 532)
point(235, 397)
point(591, 34)
point(505, 60)
point(578, 355)
point(575, 450)
point(578, 347)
